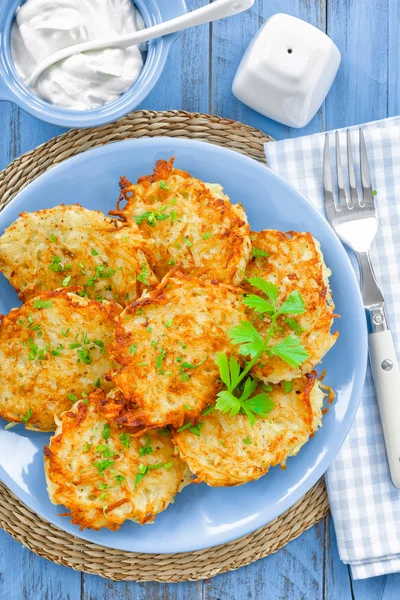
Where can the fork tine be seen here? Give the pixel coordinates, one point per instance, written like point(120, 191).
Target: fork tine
point(368, 197)
point(330, 207)
point(352, 176)
point(339, 170)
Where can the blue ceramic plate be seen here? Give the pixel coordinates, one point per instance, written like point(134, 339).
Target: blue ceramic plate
point(201, 516)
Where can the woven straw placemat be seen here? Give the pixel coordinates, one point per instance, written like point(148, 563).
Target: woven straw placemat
point(52, 543)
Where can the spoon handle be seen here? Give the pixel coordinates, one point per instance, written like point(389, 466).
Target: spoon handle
point(219, 9)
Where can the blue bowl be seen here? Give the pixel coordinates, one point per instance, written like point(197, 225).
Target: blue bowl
point(14, 89)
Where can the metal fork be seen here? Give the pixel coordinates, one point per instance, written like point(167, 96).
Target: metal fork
point(355, 221)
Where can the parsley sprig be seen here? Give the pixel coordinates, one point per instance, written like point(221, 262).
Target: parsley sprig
point(240, 386)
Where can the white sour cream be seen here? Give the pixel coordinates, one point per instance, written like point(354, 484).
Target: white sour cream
point(83, 81)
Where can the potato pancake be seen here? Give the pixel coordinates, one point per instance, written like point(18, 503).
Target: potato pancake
point(52, 351)
point(104, 475)
point(292, 261)
point(71, 246)
point(190, 222)
point(226, 451)
point(167, 343)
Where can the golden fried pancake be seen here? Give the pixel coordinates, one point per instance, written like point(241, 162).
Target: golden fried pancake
point(189, 222)
point(71, 246)
point(167, 343)
point(226, 450)
point(52, 350)
point(104, 475)
point(294, 262)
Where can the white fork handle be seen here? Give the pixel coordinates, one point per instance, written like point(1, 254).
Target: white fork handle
point(386, 375)
point(219, 9)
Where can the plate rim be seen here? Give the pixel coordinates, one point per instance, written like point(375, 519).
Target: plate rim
point(289, 500)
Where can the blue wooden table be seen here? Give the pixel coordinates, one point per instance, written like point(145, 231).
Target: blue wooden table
point(198, 77)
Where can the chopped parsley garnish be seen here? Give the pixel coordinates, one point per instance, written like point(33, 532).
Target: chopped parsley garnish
point(247, 440)
point(164, 431)
point(52, 238)
point(125, 440)
point(72, 397)
point(171, 263)
point(150, 218)
point(160, 358)
point(106, 432)
point(144, 469)
point(96, 383)
point(168, 324)
point(102, 465)
point(85, 356)
point(132, 349)
point(87, 447)
point(259, 253)
point(65, 282)
point(38, 303)
point(100, 345)
point(119, 479)
point(143, 275)
point(94, 252)
point(163, 185)
point(287, 387)
point(168, 465)
point(173, 216)
point(206, 235)
point(187, 241)
point(35, 352)
point(27, 416)
point(374, 192)
point(146, 449)
point(57, 266)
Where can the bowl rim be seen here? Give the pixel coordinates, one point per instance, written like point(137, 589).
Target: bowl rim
point(14, 89)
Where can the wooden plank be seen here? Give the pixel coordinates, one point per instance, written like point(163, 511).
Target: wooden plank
point(393, 58)
point(25, 576)
point(294, 573)
point(337, 581)
point(360, 30)
point(231, 38)
point(184, 83)
point(96, 588)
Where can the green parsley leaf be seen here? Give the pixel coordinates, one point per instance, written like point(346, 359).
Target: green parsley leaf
point(52, 238)
point(143, 275)
point(245, 334)
point(163, 185)
point(206, 235)
point(294, 325)
point(293, 305)
point(125, 440)
point(188, 242)
point(66, 281)
point(374, 192)
point(267, 287)
point(247, 440)
point(196, 429)
point(85, 356)
point(160, 358)
point(27, 416)
point(259, 253)
point(168, 466)
point(102, 465)
point(106, 432)
point(100, 345)
point(259, 304)
point(290, 350)
point(164, 431)
point(132, 349)
point(119, 479)
point(94, 252)
point(287, 387)
point(172, 214)
point(38, 303)
point(96, 383)
point(146, 449)
point(72, 397)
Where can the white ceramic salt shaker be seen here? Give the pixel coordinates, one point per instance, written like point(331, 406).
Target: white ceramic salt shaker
point(287, 71)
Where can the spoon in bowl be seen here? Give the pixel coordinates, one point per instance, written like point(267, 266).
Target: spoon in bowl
point(219, 9)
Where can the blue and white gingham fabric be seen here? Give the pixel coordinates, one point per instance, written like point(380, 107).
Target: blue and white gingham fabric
point(364, 503)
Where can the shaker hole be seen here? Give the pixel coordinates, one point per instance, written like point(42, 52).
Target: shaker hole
point(290, 51)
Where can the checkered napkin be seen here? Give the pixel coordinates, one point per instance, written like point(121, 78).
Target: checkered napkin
point(364, 503)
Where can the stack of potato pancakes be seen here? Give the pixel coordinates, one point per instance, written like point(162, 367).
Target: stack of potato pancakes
point(164, 345)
